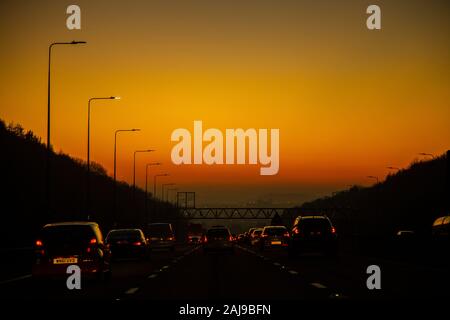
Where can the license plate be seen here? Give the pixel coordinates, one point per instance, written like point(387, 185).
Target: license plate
point(65, 260)
point(276, 242)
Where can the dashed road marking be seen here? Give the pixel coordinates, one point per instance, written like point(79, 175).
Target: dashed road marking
point(152, 276)
point(293, 272)
point(16, 279)
point(276, 264)
point(165, 267)
point(132, 291)
point(318, 285)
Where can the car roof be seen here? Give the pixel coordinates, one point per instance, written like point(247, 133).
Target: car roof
point(157, 223)
point(122, 230)
point(317, 216)
point(72, 223)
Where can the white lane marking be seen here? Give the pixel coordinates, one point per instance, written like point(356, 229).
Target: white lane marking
point(131, 291)
point(152, 276)
point(318, 285)
point(165, 267)
point(293, 272)
point(16, 279)
point(276, 264)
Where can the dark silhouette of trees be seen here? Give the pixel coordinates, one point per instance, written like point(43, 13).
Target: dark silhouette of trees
point(410, 199)
point(23, 208)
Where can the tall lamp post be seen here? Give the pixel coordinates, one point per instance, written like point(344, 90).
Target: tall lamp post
point(134, 170)
point(115, 170)
point(427, 154)
point(373, 177)
point(168, 191)
point(162, 189)
point(146, 182)
point(154, 181)
point(48, 169)
point(88, 182)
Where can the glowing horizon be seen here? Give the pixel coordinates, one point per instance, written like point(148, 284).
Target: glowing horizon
point(348, 102)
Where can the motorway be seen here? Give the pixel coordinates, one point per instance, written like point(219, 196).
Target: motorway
point(248, 274)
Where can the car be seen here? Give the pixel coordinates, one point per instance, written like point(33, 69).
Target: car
point(274, 236)
point(127, 243)
point(60, 245)
point(313, 233)
point(248, 235)
point(255, 236)
point(441, 228)
point(160, 236)
point(218, 239)
point(194, 233)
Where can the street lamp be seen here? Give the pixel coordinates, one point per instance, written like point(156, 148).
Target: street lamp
point(373, 177)
point(88, 187)
point(115, 180)
point(154, 181)
point(392, 168)
point(168, 190)
point(47, 171)
point(146, 183)
point(162, 189)
point(134, 169)
point(426, 154)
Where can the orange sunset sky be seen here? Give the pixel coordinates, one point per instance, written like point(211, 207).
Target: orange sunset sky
point(348, 101)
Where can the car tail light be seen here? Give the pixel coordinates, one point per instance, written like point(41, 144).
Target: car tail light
point(286, 234)
point(333, 230)
point(137, 243)
point(93, 241)
point(170, 238)
point(205, 240)
point(39, 243)
point(296, 231)
point(230, 238)
point(264, 236)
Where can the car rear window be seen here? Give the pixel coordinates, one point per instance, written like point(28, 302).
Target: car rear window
point(159, 230)
point(218, 233)
point(275, 231)
point(313, 224)
point(257, 232)
point(125, 235)
point(67, 236)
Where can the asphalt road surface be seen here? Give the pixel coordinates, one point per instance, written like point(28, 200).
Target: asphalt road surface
point(248, 274)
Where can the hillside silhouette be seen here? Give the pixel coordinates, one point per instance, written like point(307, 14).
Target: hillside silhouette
point(23, 208)
point(410, 199)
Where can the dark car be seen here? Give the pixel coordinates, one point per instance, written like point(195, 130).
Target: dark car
point(218, 239)
point(127, 243)
point(71, 243)
point(255, 236)
point(160, 236)
point(313, 233)
point(248, 235)
point(274, 237)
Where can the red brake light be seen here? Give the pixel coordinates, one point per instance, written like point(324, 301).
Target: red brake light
point(93, 241)
point(39, 243)
point(264, 236)
point(205, 239)
point(137, 243)
point(286, 234)
point(296, 231)
point(333, 230)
